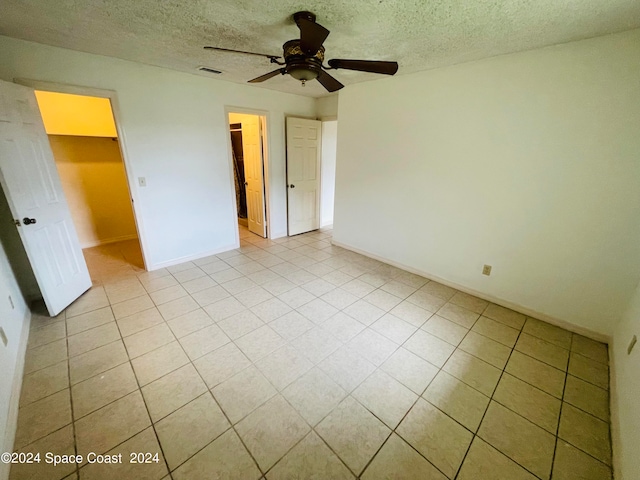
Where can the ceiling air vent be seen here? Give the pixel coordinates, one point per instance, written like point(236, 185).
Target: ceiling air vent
point(209, 70)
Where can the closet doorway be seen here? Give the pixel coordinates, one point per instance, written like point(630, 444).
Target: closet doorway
point(86, 147)
point(248, 150)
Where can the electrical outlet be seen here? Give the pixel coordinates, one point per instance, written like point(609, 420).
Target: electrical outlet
point(142, 181)
point(632, 344)
point(3, 336)
point(486, 270)
point(13, 307)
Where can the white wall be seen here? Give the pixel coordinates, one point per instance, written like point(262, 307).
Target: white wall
point(175, 131)
point(527, 162)
point(328, 171)
point(95, 186)
point(626, 393)
point(15, 323)
point(327, 107)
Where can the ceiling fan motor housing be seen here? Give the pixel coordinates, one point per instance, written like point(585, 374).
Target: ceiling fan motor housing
point(304, 15)
point(304, 57)
point(300, 65)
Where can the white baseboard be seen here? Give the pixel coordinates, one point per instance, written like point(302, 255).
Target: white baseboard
point(600, 337)
point(280, 234)
point(16, 388)
point(189, 258)
point(97, 243)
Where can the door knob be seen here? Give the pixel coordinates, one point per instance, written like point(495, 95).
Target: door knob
point(28, 221)
point(292, 186)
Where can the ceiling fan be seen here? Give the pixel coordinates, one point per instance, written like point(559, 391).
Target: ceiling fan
point(303, 58)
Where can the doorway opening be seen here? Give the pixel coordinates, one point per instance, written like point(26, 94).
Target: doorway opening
point(249, 158)
point(86, 147)
point(328, 172)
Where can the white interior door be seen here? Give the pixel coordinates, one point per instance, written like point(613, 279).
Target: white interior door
point(32, 186)
point(253, 173)
point(303, 174)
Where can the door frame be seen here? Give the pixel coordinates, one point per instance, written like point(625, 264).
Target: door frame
point(115, 109)
point(266, 152)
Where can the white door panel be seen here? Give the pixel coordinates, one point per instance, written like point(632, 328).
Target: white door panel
point(32, 186)
point(253, 173)
point(303, 174)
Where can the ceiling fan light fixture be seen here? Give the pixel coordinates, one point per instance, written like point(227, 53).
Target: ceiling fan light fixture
point(303, 73)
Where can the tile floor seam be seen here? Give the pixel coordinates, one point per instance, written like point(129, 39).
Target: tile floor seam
point(57, 429)
point(85, 464)
point(73, 422)
point(108, 403)
point(557, 435)
point(605, 365)
point(393, 430)
point(545, 340)
point(50, 395)
point(311, 430)
point(146, 409)
point(70, 386)
point(40, 438)
point(587, 413)
point(232, 426)
point(364, 469)
point(475, 434)
point(110, 306)
point(43, 327)
point(87, 311)
point(363, 267)
point(168, 373)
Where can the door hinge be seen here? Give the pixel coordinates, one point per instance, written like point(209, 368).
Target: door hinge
point(17, 223)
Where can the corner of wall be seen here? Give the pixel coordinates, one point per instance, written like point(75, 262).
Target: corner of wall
point(16, 387)
point(624, 393)
point(327, 107)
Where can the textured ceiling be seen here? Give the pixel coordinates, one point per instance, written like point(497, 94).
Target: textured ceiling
point(419, 34)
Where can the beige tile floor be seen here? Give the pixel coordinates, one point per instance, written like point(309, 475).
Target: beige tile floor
point(297, 359)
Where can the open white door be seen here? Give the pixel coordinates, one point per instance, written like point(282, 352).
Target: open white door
point(32, 186)
point(253, 173)
point(303, 174)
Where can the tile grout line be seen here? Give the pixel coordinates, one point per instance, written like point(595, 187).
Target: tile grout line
point(145, 406)
point(231, 424)
point(288, 342)
point(475, 434)
point(73, 420)
point(419, 396)
point(557, 438)
point(316, 365)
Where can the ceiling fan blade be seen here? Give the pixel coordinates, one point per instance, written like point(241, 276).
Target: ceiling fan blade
point(328, 82)
point(219, 49)
point(312, 35)
point(373, 66)
point(267, 76)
